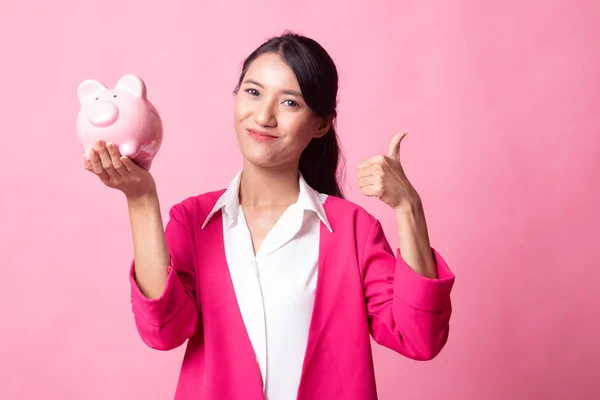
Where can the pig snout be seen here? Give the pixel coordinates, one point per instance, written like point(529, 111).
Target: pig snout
point(103, 114)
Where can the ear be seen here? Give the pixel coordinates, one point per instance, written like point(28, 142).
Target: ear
point(324, 127)
point(133, 85)
point(88, 89)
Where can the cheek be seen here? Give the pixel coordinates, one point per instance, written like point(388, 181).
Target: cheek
point(242, 109)
point(300, 128)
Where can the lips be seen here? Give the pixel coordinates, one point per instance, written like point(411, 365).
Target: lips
point(260, 135)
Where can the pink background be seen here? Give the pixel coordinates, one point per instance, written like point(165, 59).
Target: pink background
point(502, 104)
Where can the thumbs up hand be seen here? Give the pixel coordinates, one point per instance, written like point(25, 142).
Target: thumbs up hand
point(383, 177)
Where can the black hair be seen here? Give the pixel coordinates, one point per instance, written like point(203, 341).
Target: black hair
point(318, 80)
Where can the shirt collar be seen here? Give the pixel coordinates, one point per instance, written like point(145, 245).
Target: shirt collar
point(308, 199)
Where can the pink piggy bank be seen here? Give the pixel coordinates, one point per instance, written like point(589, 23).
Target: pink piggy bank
point(122, 115)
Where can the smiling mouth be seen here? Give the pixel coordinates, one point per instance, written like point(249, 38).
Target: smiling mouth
point(260, 136)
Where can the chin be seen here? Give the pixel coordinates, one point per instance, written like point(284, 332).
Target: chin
point(256, 154)
point(260, 160)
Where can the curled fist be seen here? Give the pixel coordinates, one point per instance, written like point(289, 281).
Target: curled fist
point(383, 177)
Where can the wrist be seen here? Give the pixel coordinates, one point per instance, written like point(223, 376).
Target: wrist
point(145, 200)
point(409, 209)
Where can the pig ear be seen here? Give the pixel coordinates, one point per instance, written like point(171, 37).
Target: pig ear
point(88, 89)
point(132, 84)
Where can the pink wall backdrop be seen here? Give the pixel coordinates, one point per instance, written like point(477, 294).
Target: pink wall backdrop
point(501, 101)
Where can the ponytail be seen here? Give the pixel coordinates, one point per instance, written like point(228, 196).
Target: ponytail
point(319, 164)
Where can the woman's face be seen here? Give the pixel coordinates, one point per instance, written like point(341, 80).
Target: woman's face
point(273, 124)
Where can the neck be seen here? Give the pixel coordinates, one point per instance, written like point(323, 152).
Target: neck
point(262, 187)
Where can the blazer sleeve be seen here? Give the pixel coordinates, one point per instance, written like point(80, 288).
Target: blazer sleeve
point(167, 322)
point(407, 312)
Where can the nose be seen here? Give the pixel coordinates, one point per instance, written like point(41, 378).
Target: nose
point(103, 114)
point(264, 114)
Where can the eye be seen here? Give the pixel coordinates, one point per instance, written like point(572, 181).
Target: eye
point(96, 98)
point(114, 95)
point(291, 103)
point(252, 92)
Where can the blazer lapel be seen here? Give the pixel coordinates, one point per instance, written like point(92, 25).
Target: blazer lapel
point(321, 305)
point(224, 325)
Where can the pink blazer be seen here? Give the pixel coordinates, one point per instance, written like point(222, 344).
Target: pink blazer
point(362, 290)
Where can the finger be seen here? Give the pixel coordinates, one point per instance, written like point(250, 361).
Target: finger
point(97, 166)
point(394, 148)
point(87, 164)
point(368, 181)
point(106, 161)
point(115, 158)
point(95, 161)
point(130, 165)
point(103, 153)
point(371, 190)
point(379, 159)
point(374, 169)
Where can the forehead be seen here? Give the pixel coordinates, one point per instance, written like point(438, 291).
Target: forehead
point(271, 71)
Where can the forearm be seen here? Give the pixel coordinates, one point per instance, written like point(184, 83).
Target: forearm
point(150, 246)
point(414, 240)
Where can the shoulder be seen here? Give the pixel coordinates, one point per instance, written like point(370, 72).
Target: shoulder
point(346, 214)
point(197, 206)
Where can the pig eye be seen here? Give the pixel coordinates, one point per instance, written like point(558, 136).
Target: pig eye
point(96, 98)
point(115, 95)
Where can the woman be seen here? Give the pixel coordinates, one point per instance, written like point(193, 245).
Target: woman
point(278, 281)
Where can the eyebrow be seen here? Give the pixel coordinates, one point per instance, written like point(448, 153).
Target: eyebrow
point(286, 91)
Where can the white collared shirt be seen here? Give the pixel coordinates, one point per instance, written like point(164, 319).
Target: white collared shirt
point(275, 288)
